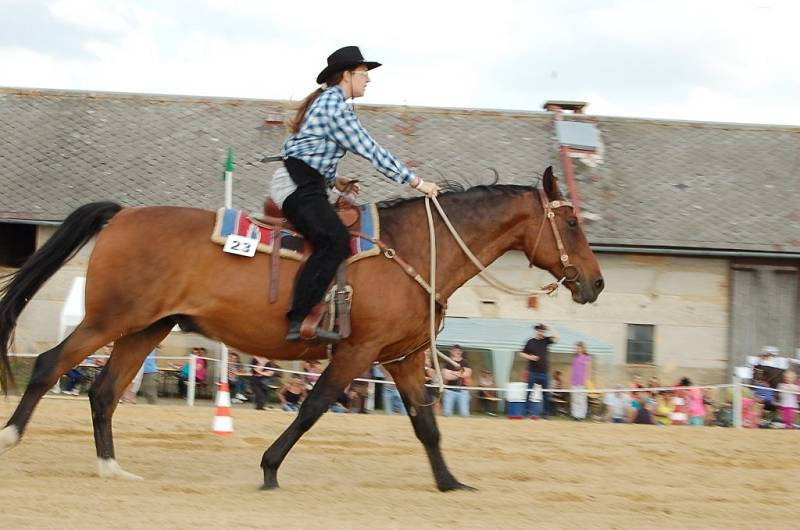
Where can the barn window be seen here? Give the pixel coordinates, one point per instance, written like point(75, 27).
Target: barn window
point(17, 243)
point(640, 344)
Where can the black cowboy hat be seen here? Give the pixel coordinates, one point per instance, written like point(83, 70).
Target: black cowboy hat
point(344, 59)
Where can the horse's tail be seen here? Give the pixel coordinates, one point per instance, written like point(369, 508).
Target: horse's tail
point(20, 286)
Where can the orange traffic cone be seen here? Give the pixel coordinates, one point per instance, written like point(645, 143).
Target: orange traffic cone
point(223, 423)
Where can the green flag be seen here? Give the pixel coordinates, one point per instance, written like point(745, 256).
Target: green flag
point(228, 163)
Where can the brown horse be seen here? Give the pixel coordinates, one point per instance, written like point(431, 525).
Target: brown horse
point(154, 267)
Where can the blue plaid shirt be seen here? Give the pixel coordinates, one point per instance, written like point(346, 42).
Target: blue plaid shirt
point(329, 130)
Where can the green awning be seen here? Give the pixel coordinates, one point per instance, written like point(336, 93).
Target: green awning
point(500, 334)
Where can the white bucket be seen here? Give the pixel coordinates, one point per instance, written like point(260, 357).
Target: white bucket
point(517, 392)
point(536, 393)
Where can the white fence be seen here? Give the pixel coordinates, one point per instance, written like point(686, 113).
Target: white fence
point(737, 384)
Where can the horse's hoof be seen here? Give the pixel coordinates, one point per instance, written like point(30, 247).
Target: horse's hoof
point(456, 486)
point(270, 481)
point(269, 486)
point(109, 468)
point(9, 437)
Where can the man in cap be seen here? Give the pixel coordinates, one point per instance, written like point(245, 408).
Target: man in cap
point(769, 367)
point(536, 353)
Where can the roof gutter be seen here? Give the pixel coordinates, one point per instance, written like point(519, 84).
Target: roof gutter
point(30, 222)
point(704, 252)
point(598, 247)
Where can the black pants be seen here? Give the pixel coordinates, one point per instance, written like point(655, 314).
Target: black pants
point(259, 387)
point(310, 212)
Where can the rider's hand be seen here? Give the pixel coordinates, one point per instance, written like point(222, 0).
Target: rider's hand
point(431, 189)
point(342, 182)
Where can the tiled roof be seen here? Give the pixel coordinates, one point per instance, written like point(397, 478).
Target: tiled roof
point(660, 183)
point(697, 185)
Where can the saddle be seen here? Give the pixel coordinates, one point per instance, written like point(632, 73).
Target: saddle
point(341, 294)
point(345, 207)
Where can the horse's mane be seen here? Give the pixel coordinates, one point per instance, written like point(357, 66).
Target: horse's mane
point(450, 188)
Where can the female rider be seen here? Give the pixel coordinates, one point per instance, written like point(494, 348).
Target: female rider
point(323, 129)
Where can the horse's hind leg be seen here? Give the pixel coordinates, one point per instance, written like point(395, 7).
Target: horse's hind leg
point(126, 358)
point(47, 370)
point(342, 369)
point(409, 376)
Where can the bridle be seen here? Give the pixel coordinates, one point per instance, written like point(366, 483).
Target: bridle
point(549, 213)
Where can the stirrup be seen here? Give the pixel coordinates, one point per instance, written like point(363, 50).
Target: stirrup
point(324, 336)
point(298, 332)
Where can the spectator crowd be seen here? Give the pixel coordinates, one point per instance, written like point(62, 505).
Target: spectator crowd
point(770, 400)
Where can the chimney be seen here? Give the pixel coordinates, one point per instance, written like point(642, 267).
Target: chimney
point(576, 107)
point(571, 135)
point(273, 119)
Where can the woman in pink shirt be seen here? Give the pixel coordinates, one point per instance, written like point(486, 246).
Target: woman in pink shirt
point(199, 371)
point(695, 405)
point(581, 368)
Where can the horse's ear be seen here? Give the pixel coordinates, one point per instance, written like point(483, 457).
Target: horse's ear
point(550, 184)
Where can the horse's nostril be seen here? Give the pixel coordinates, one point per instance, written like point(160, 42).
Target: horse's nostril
point(599, 284)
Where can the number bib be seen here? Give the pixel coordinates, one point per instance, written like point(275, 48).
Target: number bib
point(240, 245)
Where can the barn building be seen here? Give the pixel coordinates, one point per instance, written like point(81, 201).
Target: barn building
point(696, 225)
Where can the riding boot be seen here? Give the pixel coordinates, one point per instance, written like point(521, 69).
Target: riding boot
point(320, 334)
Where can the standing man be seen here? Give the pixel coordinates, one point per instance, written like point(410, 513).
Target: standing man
point(456, 377)
point(150, 377)
point(262, 375)
point(536, 353)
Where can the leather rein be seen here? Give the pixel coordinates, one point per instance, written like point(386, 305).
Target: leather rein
point(388, 252)
point(549, 289)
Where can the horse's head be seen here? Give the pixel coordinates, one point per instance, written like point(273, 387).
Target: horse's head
point(555, 242)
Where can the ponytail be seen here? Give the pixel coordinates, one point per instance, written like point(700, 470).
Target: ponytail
point(296, 121)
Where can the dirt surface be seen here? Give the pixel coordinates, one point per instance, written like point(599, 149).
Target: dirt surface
point(370, 471)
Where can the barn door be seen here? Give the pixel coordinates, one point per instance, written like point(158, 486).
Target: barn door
point(764, 310)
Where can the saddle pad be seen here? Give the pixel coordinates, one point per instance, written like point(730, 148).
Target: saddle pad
point(233, 221)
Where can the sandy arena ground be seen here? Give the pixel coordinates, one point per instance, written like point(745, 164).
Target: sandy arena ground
point(370, 472)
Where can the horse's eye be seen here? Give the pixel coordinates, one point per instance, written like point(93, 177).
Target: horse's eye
point(572, 222)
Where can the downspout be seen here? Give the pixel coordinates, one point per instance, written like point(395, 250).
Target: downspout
point(569, 174)
point(566, 162)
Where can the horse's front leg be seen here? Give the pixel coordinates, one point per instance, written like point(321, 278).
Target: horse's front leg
point(409, 376)
point(343, 368)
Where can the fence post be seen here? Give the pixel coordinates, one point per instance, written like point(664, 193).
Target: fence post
point(190, 382)
point(737, 402)
point(370, 405)
point(223, 376)
point(223, 364)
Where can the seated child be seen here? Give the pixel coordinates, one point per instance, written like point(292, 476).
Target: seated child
point(292, 394)
point(663, 409)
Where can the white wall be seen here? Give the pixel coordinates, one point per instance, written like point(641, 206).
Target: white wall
point(687, 299)
point(38, 326)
